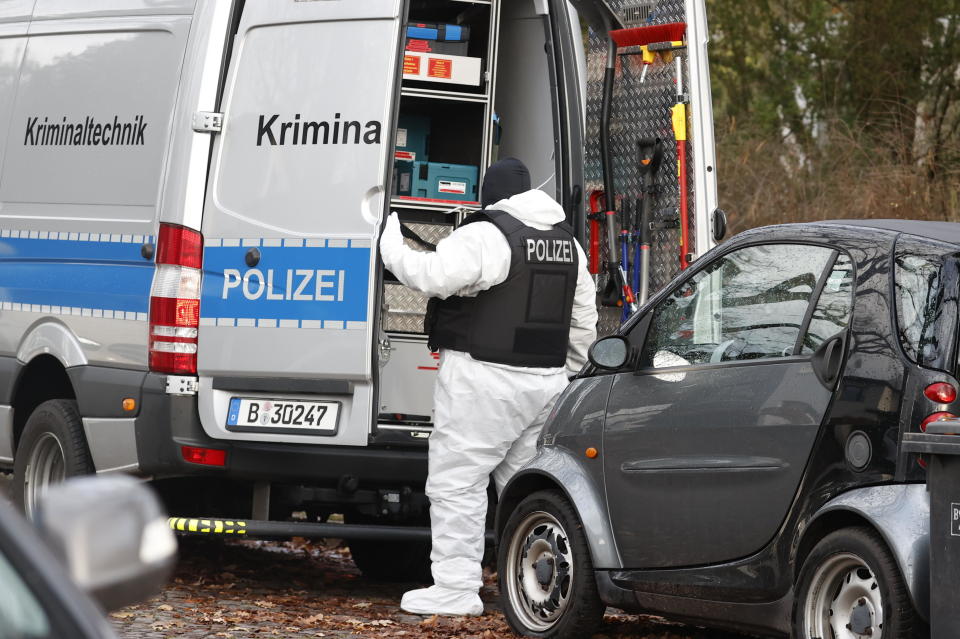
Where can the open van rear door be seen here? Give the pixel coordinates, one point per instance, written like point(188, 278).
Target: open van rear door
point(293, 207)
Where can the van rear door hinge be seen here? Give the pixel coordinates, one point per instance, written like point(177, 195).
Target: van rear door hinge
point(182, 385)
point(207, 122)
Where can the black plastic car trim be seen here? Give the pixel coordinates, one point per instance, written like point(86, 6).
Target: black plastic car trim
point(814, 300)
point(792, 359)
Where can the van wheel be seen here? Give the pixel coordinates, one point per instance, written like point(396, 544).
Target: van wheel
point(547, 584)
point(51, 449)
point(850, 587)
point(392, 561)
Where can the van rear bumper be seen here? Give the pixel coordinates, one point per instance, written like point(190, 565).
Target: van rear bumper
point(168, 422)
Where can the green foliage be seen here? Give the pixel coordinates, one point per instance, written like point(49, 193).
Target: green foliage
point(839, 94)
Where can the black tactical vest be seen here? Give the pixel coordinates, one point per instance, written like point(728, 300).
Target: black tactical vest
point(525, 320)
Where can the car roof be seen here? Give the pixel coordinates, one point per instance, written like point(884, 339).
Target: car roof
point(940, 231)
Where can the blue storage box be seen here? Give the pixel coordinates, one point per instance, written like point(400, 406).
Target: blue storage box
point(436, 181)
point(413, 138)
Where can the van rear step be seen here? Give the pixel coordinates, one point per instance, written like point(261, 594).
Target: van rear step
point(283, 529)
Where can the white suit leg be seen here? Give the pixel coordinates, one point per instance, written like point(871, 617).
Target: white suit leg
point(477, 420)
point(525, 447)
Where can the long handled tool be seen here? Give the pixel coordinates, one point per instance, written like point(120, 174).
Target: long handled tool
point(596, 214)
point(679, 113)
point(649, 159)
point(617, 284)
point(635, 248)
point(625, 249)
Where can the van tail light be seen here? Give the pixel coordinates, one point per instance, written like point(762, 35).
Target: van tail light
point(204, 456)
point(175, 301)
point(941, 392)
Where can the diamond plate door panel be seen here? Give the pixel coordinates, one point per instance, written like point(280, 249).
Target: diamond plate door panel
point(404, 308)
point(640, 110)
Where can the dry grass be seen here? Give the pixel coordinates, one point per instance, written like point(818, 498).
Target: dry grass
point(768, 182)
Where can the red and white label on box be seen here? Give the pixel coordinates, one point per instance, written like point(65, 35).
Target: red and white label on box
point(433, 67)
point(449, 186)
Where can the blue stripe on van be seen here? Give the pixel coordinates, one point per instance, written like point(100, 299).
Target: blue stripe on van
point(72, 273)
point(325, 283)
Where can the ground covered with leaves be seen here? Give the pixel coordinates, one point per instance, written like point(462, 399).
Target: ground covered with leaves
point(299, 589)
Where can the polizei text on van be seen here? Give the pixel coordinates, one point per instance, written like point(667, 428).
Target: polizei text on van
point(87, 132)
point(275, 132)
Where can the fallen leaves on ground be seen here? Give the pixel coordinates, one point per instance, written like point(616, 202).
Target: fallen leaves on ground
point(246, 589)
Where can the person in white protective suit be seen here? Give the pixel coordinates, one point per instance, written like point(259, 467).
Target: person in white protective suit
point(513, 314)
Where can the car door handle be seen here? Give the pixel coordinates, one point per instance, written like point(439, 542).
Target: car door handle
point(827, 361)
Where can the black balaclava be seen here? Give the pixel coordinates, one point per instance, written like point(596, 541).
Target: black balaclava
point(504, 179)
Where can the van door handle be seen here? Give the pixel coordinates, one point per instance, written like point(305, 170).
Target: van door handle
point(147, 250)
point(252, 258)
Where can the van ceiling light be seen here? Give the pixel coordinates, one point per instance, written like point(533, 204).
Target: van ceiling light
point(175, 301)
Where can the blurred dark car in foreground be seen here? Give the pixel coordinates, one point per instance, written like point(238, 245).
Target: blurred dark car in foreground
point(97, 543)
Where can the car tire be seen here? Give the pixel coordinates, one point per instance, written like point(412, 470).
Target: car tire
point(850, 578)
point(51, 449)
point(392, 561)
point(547, 584)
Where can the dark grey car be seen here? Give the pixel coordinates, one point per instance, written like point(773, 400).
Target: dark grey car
point(734, 456)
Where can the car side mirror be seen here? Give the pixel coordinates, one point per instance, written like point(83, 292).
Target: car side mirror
point(111, 534)
point(610, 353)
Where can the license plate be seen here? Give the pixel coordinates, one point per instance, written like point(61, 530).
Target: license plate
point(283, 416)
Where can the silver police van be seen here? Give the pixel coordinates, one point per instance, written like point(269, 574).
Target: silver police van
point(190, 197)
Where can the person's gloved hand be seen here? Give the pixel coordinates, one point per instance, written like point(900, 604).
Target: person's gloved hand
point(391, 240)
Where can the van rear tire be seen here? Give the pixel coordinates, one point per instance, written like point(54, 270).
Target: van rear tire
point(52, 448)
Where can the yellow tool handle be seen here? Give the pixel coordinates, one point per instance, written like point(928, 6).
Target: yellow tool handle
point(648, 56)
point(679, 113)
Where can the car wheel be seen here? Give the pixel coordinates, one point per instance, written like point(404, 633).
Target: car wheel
point(850, 587)
point(547, 584)
point(51, 449)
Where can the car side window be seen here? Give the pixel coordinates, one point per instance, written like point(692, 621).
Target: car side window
point(748, 304)
point(919, 290)
point(21, 615)
point(832, 312)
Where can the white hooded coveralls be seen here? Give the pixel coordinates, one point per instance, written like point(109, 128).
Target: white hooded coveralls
point(487, 416)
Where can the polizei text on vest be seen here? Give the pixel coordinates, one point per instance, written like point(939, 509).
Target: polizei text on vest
point(275, 132)
point(545, 251)
point(86, 132)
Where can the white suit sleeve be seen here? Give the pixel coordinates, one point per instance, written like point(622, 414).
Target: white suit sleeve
point(583, 322)
point(462, 260)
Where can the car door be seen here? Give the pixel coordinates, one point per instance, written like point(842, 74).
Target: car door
point(294, 204)
point(706, 441)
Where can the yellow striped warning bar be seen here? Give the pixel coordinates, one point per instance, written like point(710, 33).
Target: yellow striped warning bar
point(209, 526)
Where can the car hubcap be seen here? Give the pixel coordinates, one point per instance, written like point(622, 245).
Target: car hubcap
point(844, 601)
point(45, 466)
point(539, 571)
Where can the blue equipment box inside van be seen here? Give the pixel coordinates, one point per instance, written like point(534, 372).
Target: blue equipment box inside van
point(413, 137)
point(437, 181)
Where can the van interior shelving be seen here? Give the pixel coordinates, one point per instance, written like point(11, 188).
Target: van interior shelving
point(465, 127)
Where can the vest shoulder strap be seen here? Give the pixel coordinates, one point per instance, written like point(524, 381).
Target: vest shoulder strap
point(501, 219)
